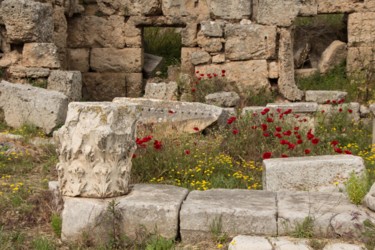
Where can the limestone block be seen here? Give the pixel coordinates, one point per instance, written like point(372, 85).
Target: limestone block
point(23, 104)
point(128, 60)
point(200, 57)
point(103, 86)
point(295, 206)
point(181, 116)
point(240, 212)
point(225, 115)
point(332, 56)
point(154, 208)
point(313, 173)
point(209, 44)
point(339, 6)
point(252, 110)
point(42, 55)
point(244, 74)
point(329, 110)
point(321, 96)
point(298, 107)
point(133, 34)
point(236, 9)
point(95, 148)
point(369, 200)
point(273, 70)
point(286, 83)
point(189, 34)
point(130, 7)
point(134, 84)
point(186, 65)
point(78, 59)
point(219, 58)
point(212, 28)
point(282, 243)
point(27, 21)
point(10, 58)
point(360, 58)
point(198, 10)
point(161, 90)
point(223, 99)
point(350, 224)
point(60, 32)
point(94, 31)
point(23, 72)
point(66, 82)
point(342, 246)
point(243, 242)
point(250, 41)
point(303, 73)
point(361, 29)
point(273, 12)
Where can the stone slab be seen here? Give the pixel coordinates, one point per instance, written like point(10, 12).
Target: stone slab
point(312, 173)
point(322, 96)
point(25, 104)
point(244, 242)
point(360, 58)
point(251, 110)
point(303, 73)
point(235, 9)
point(223, 99)
point(332, 56)
point(42, 55)
point(181, 116)
point(103, 86)
point(161, 90)
point(66, 82)
point(343, 246)
point(298, 107)
point(239, 211)
point(361, 29)
point(78, 59)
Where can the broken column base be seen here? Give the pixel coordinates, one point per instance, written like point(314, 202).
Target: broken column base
point(147, 208)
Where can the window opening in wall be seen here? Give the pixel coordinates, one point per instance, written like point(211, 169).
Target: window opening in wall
point(162, 42)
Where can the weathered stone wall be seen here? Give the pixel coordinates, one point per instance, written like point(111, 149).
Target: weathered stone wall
point(251, 39)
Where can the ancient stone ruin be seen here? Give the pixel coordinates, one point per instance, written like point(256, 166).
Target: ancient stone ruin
point(251, 39)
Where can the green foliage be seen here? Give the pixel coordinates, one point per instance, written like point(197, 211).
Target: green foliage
point(304, 229)
point(40, 83)
point(335, 21)
point(317, 244)
point(260, 98)
point(159, 243)
point(216, 229)
point(369, 234)
point(42, 243)
point(56, 223)
point(357, 187)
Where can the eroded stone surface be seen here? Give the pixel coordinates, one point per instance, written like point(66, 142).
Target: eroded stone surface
point(322, 96)
point(103, 86)
point(223, 99)
point(161, 90)
point(43, 55)
point(298, 107)
point(24, 104)
point(236, 9)
point(361, 29)
point(243, 242)
point(66, 82)
point(95, 147)
point(369, 199)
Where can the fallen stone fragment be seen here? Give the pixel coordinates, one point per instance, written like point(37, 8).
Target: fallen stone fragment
point(223, 99)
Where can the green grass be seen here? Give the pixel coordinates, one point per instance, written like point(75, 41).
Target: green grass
point(332, 20)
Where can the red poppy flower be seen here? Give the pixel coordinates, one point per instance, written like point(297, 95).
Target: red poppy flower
point(264, 127)
point(223, 71)
point(278, 135)
point(307, 151)
point(254, 127)
point(134, 156)
point(235, 131)
point(288, 111)
point(284, 156)
point(341, 101)
point(157, 145)
point(291, 145)
point(322, 111)
point(265, 111)
point(315, 141)
point(350, 111)
point(196, 128)
point(287, 133)
point(171, 111)
point(328, 102)
point(284, 142)
point(193, 90)
point(215, 75)
point(334, 143)
point(187, 151)
point(299, 141)
point(298, 136)
point(310, 135)
point(338, 150)
point(201, 74)
point(267, 155)
point(334, 102)
point(266, 134)
point(296, 128)
point(347, 152)
point(197, 72)
point(269, 119)
point(231, 119)
point(278, 110)
point(340, 109)
point(278, 129)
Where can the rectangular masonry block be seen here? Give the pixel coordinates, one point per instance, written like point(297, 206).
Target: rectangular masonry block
point(298, 107)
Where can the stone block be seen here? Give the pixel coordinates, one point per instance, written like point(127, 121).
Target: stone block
point(303, 73)
point(250, 41)
point(273, 12)
point(181, 116)
point(66, 82)
point(27, 21)
point(42, 55)
point(273, 70)
point(60, 31)
point(212, 45)
point(219, 58)
point(24, 104)
point(95, 148)
point(369, 199)
point(134, 84)
point(321, 96)
point(339, 6)
point(342, 246)
point(200, 57)
point(240, 212)
point(94, 31)
point(298, 107)
point(286, 82)
point(246, 75)
point(243, 242)
point(225, 115)
point(322, 207)
point(23, 72)
point(11, 58)
point(332, 56)
point(283, 243)
point(161, 90)
point(213, 28)
point(189, 35)
point(78, 59)
point(313, 173)
point(223, 99)
point(236, 9)
point(103, 86)
point(360, 58)
point(186, 65)
point(198, 10)
point(361, 29)
point(252, 110)
point(128, 60)
point(129, 7)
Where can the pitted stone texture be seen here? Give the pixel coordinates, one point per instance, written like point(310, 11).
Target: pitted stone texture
point(10, 58)
point(24, 104)
point(78, 59)
point(322, 96)
point(243, 242)
point(27, 21)
point(181, 116)
point(154, 208)
point(240, 212)
point(361, 29)
point(219, 58)
point(282, 243)
point(294, 207)
point(210, 44)
point(250, 41)
point(313, 173)
point(189, 34)
point(333, 55)
point(236, 9)
point(339, 6)
point(103, 86)
point(66, 82)
point(161, 90)
point(129, 60)
point(343, 246)
point(129, 8)
point(246, 75)
point(369, 199)
point(213, 28)
point(200, 57)
point(186, 65)
point(43, 55)
point(95, 148)
point(26, 72)
point(223, 99)
point(198, 10)
point(94, 31)
point(286, 83)
point(298, 107)
point(360, 58)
